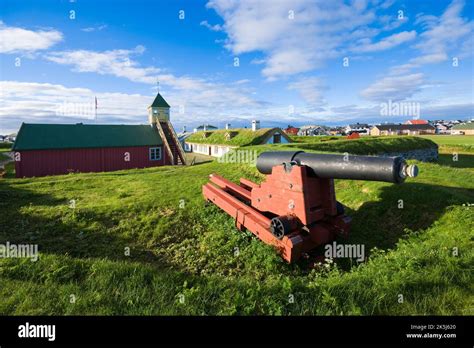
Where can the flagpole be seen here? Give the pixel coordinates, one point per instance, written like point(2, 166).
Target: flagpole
point(95, 110)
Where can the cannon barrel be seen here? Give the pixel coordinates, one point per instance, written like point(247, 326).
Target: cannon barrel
point(372, 168)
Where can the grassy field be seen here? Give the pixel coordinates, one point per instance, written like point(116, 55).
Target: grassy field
point(452, 146)
point(362, 146)
point(187, 257)
point(452, 140)
point(314, 139)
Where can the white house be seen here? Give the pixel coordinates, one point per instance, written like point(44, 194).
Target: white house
point(218, 142)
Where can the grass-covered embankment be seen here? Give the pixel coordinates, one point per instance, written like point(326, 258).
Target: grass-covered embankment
point(187, 258)
point(362, 146)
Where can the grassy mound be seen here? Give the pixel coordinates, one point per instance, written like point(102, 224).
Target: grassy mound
point(314, 139)
point(362, 146)
point(241, 137)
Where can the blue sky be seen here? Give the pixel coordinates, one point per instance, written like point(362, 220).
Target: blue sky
point(299, 62)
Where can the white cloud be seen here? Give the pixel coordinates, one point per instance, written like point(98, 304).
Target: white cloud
point(449, 33)
point(114, 62)
point(441, 37)
point(311, 89)
point(19, 40)
point(386, 43)
point(394, 87)
point(390, 23)
point(296, 36)
point(45, 102)
point(300, 36)
point(122, 63)
point(215, 27)
point(92, 29)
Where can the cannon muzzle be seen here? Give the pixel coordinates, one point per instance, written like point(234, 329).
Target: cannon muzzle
point(372, 168)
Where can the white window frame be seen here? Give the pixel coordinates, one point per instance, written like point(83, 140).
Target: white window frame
point(154, 153)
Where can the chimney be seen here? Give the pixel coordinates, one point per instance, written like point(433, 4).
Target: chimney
point(255, 125)
point(227, 126)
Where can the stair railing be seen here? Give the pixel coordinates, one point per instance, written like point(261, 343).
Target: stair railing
point(165, 141)
point(177, 142)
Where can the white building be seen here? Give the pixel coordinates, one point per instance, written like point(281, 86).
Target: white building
point(217, 143)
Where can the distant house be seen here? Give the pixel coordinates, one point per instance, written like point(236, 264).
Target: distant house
point(402, 129)
point(463, 129)
point(336, 131)
point(312, 130)
point(291, 130)
point(442, 128)
point(218, 142)
point(361, 128)
point(416, 122)
point(10, 138)
point(182, 139)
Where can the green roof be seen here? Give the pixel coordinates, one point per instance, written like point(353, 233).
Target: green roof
point(462, 126)
point(71, 136)
point(159, 102)
point(241, 136)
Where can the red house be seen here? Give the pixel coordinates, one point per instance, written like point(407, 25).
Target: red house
point(416, 122)
point(51, 149)
point(291, 130)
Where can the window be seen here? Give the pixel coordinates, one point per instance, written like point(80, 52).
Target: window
point(155, 153)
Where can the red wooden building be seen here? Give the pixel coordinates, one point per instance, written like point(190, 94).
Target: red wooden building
point(291, 130)
point(51, 149)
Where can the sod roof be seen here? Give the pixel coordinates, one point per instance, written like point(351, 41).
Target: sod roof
point(241, 136)
point(71, 136)
point(469, 125)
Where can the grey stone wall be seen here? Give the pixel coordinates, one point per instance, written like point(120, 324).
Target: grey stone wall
point(425, 155)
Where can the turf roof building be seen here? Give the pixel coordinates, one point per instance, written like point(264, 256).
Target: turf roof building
point(51, 149)
point(463, 129)
point(219, 142)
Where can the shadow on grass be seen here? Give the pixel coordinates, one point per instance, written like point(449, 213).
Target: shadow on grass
point(463, 160)
point(401, 209)
point(62, 230)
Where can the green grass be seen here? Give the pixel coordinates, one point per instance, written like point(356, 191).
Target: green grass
point(463, 141)
point(182, 249)
point(242, 137)
point(3, 157)
point(314, 139)
point(362, 146)
point(5, 146)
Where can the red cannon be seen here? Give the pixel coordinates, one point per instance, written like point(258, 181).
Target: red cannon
point(295, 207)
